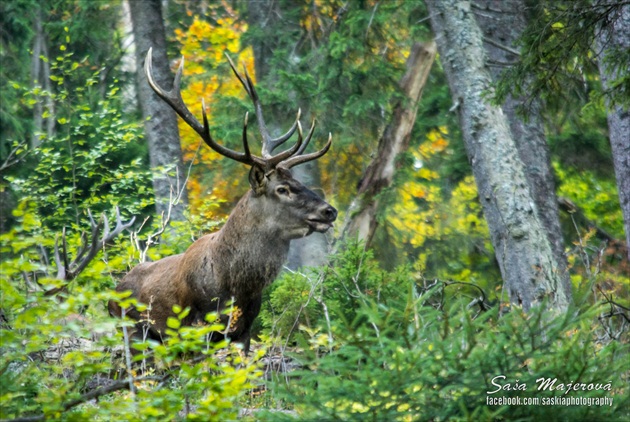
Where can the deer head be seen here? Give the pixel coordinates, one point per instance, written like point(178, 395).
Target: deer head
point(286, 205)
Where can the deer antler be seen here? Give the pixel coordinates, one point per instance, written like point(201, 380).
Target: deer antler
point(299, 159)
point(292, 156)
point(285, 159)
point(269, 143)
point(69, 270)
point(175, 100)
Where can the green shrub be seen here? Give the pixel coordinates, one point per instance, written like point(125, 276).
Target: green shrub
point(310, 297)
point(54, 364)
point(395, 358)
point(60, 352)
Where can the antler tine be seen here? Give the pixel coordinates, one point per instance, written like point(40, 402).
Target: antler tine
point(105, 221)
point(260, 118)
point(82, 260)
point(120, 226)
point(81, 251)
point(174, 96)
point(299, 159)
point(251, 88)
point(248, 84)
point(64, 249)
point(238, 75)
point(275, 143)
point(270, 144)
point(307, 139)
point(245, 158)
point(61, 266)
point(87, 251)
point(273, 161)
point(245, 142)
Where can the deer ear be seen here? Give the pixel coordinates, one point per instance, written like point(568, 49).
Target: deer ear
point(257, 179)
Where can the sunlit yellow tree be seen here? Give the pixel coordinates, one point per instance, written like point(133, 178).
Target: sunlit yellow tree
point(203, 47)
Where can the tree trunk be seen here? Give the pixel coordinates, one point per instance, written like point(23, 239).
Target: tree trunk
point(615, 35)
point(361, 221)
point(266, 17)
point(263, 15)
point(160, 121)
point(502, 23)
point(40, 77)
point(524, 254)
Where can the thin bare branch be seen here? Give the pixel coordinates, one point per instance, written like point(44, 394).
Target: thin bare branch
point(94, 394)
point(67, 270)
point(501, 46)
point(13, 157)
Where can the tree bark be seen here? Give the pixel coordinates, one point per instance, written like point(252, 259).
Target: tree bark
point(264, 15)
point(615, 35)
point(503, 23)
point(524, 253)
point(40, 77)
point(160, 121)
point(361, 221)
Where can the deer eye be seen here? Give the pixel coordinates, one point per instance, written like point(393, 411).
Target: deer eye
point(282, 191)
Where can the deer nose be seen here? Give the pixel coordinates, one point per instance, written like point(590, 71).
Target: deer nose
point(329, 213)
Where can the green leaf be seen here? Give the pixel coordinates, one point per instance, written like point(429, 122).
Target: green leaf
point(173, 323)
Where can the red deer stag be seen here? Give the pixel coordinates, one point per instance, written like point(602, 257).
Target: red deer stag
point(234, 264)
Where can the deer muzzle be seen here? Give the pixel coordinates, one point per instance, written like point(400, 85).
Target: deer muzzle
point(322, 219)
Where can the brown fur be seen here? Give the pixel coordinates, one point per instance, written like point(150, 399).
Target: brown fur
point(235, 263)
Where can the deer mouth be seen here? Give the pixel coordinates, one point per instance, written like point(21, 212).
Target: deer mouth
point(319, 225)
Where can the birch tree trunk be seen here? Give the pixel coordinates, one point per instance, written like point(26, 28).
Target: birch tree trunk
point(528, 267)
point(615, 35)
point(502, 23)
point(361, 221)
point(160, 121)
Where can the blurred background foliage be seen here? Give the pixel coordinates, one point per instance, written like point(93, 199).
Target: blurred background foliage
point(345, 67)
point(87, 153)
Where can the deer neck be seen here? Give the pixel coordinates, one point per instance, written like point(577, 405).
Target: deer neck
point(252, 251)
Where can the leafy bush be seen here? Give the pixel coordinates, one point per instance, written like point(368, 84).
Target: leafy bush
point(55, 363)
point(60, 352)
point(424, 357)
point(310, 297)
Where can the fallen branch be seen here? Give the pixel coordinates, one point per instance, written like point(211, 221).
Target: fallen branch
point(480, 301)
point(361, 221)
